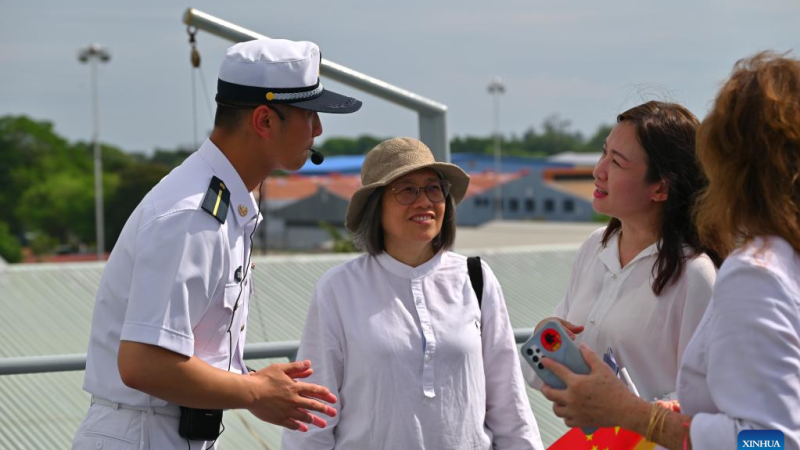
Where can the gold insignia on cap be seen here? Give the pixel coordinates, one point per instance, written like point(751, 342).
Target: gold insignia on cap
point(270, 96)
point(242, 210)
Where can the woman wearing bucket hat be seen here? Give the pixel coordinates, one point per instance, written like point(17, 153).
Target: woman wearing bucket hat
point(398, 333)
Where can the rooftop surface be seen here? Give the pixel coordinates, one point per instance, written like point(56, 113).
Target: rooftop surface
point(47, 311)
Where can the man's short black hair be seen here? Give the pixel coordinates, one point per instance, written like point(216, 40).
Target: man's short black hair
point(230, 117)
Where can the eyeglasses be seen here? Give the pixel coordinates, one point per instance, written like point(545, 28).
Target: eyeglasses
point(407, 193)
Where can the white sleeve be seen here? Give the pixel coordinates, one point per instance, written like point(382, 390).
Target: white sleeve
point(177, 269)
point(321, 344)
point(700, 276)
point(753, 358)
point(508, 410)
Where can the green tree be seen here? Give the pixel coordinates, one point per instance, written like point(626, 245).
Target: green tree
point(341, 244)
point(472, 144)
point(349, 146)
point(61, 205)
point(10, 248)
point(170, 158)
point(50, 190)
point(555, 137)
point(29, 151)
point(114, 158)
point(595, 143)
point(135, 183)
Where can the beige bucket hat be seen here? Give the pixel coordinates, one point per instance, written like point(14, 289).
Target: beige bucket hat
point(392, 159)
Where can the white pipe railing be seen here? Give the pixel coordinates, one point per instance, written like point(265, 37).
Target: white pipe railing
point(432, 115)
point(68, 363)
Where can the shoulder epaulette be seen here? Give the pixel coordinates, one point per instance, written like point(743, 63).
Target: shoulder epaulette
point(217, 200)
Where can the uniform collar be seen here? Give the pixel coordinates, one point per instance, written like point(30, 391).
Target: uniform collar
point(396, 267)
point(242, 201)
point(610, 254)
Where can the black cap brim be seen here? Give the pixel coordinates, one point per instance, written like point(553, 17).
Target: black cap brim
point(329, 102)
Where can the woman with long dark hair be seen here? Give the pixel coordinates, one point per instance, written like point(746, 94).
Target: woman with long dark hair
point(741, 371)
point(640, 285)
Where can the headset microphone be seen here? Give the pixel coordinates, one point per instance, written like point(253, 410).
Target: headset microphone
point(316, 157)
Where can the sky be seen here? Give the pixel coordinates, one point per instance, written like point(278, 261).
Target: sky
point(583, 60)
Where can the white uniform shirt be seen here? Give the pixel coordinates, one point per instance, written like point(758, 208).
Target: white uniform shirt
point(170, 280)
point(414, 362)
point(741, 371)
point(647, 333)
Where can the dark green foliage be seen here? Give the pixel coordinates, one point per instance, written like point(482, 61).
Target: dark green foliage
point(47, 199)
point(348, 146)
point(341, 244)
point(135, 182)
point(170, 158)
point(48, 187)
point(554, 137)
point(10, 249)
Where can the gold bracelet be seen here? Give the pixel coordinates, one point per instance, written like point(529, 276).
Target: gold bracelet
point(664, 414)
point(650, 426)
point(657, 418)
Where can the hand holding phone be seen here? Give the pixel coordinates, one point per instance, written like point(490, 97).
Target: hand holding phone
point(553, 341)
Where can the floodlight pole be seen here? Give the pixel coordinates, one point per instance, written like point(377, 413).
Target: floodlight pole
point(496, 88)
point(93, 55)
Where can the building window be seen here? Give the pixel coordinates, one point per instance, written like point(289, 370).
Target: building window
point(513, 205)
point(529, 205)
point(549, 205)
point(481, 201)
point(569, 205)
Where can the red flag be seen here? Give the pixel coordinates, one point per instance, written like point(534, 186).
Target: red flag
point(615, 438)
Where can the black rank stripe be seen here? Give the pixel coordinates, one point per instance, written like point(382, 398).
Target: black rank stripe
point(217, 200)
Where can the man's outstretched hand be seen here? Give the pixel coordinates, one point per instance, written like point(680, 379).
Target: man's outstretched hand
point(284, 401)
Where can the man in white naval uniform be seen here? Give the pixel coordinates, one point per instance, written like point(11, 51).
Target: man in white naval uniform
point(166, 347)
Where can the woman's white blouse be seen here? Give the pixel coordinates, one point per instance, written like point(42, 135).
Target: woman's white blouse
point(741, 370)
point(647, 333)
point(413, 360)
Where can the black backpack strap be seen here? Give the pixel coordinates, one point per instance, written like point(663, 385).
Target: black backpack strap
point(476, 276)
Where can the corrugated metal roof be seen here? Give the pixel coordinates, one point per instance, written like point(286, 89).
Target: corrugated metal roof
point(46, 310)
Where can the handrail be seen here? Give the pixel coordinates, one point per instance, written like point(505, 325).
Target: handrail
point(73, 362)
point(432, 115)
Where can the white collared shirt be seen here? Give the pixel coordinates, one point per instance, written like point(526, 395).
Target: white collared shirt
point(647, 333)
point(414, 361)
point(171, 279)
point(741, 371)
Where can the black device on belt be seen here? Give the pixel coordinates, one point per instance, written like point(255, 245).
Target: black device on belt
point(200, 424)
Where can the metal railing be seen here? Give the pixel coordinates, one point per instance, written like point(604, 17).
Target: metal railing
point(432, 115)
point(68, 363)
